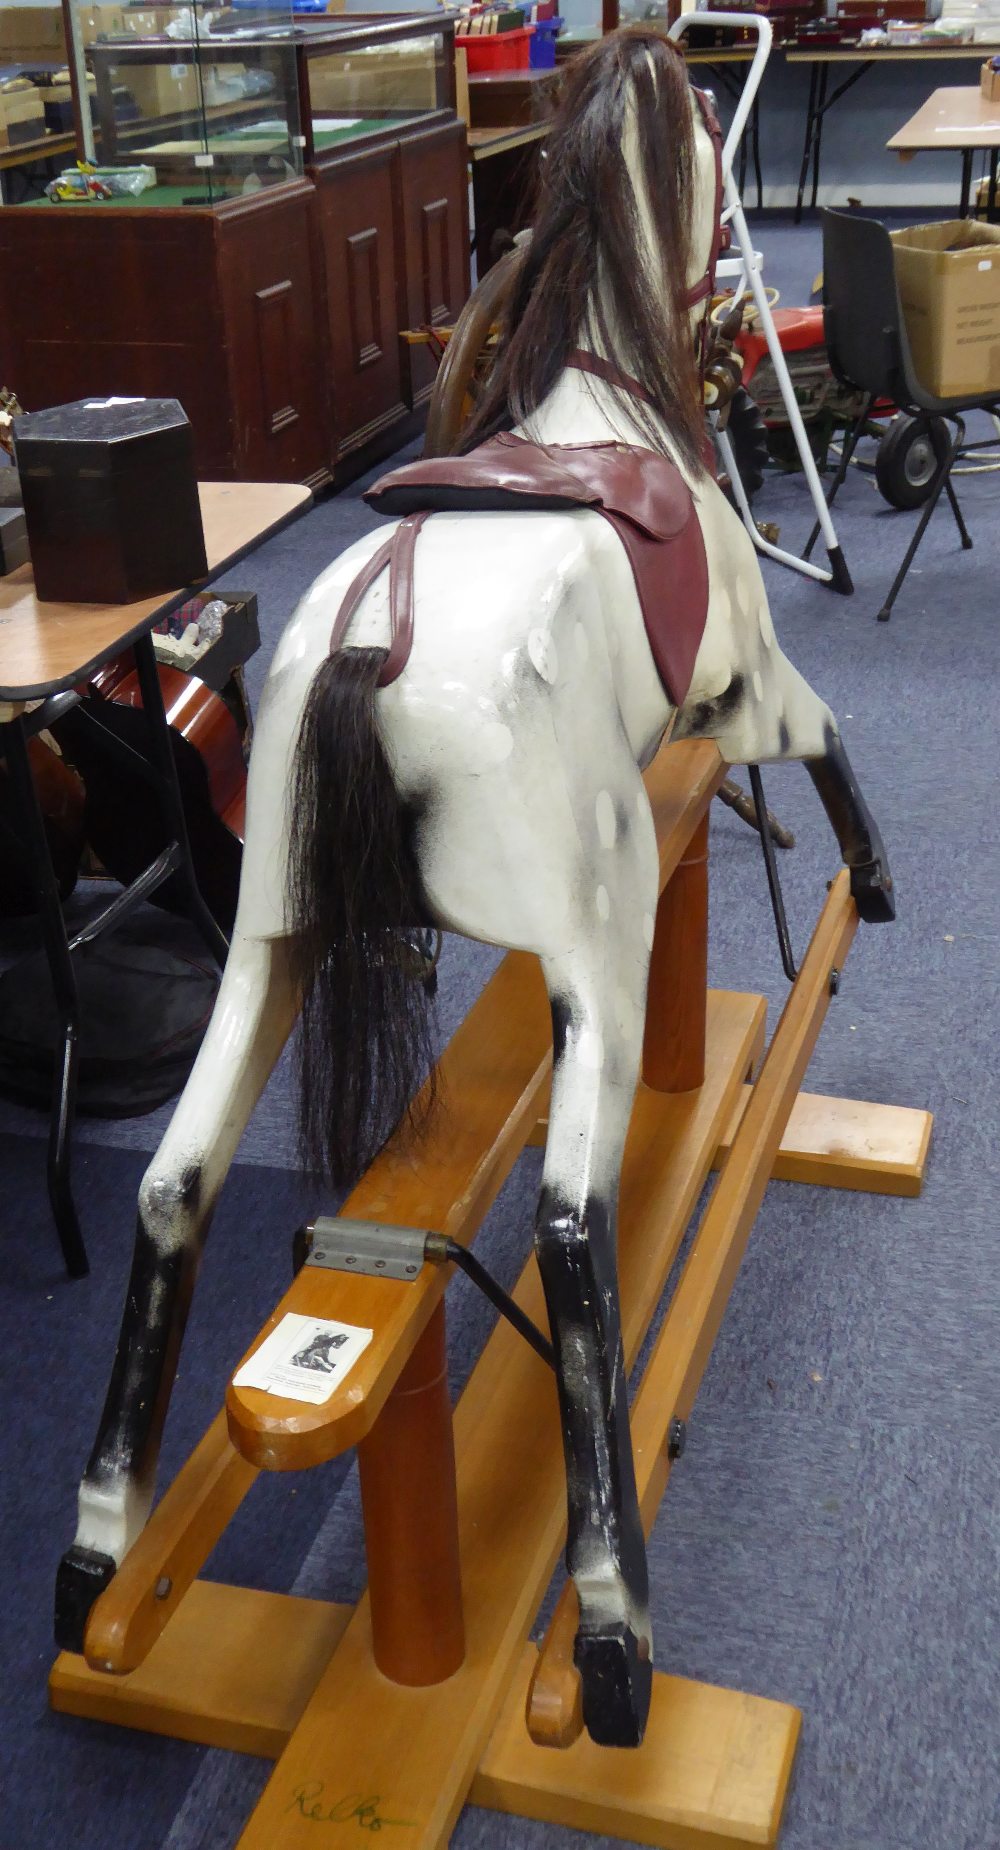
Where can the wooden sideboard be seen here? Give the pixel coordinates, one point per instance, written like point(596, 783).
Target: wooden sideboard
point(274, 318)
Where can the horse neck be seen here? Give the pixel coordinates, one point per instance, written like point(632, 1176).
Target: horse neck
point(584, 409)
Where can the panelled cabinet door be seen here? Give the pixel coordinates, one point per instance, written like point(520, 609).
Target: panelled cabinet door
point(434, 216)
point(277, 381)
point(354, 200)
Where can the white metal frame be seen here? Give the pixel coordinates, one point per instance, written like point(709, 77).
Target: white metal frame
point(746, 271)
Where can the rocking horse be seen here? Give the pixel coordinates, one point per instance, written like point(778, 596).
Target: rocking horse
point(453, 734)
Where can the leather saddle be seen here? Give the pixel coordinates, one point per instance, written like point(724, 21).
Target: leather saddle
point(641, 494)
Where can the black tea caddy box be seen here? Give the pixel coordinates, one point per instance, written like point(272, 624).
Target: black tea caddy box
point(110, 500)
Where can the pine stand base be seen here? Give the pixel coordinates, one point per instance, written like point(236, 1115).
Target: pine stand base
point(712, 1773)
point(390, 1717)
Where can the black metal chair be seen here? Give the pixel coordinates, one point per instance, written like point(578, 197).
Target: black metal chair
point(868, 349)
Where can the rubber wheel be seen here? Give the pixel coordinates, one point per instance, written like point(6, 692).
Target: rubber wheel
point(748, 436)
point(906, 461)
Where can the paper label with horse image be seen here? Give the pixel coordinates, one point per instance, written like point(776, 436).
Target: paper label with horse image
point(304, 1358)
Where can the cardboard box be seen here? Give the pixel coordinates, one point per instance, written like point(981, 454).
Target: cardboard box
point(162, 89)
point(22, 116)
point(146, 22)
point(100, 22)
point(32, 31)
point(989, 83)
point(949, 286)
point(385, 78)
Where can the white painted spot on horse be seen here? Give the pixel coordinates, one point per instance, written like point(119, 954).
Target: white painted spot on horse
point(766, 626)
point(581, 643)
point(544, 658)
point(742, 593)
point(607, 827)
point(590, 1050)
point(495, 742)
point(648, 929)
point(603, 903)
point(758, 685)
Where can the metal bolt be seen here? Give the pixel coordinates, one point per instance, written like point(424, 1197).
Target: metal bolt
point(834, 982)
point(350, 1259)
point(676, 1440)
point(379, 1265)
point(164, 1587)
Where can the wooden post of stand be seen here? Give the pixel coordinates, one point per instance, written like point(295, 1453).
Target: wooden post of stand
point(673, 1050)
point(410, 1504)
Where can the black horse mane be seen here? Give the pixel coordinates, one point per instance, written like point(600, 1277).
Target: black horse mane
point(582, 278)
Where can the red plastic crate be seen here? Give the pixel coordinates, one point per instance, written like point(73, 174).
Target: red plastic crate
point(497, 51)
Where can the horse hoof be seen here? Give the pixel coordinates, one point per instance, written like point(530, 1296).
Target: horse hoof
point(82, 1576)
point(873, 894)
point(616, 1671)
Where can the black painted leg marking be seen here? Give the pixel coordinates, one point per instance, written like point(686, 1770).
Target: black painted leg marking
point(606, 1552)
point(118, 1482)
point(856, 831)
point(81, 1578)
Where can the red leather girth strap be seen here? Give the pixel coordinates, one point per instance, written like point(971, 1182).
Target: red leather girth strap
point(397, 553)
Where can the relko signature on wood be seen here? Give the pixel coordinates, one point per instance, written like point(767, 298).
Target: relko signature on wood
point(311, 1803)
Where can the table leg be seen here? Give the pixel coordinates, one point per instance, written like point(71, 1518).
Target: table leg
point(807, 143)
point(755, 138)
point(31, 826)
point(991, 197)
point(963, 204)
point(821, 108)
point(169, 794)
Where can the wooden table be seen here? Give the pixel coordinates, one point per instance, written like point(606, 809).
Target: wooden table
point(32, 153)
point(959, 118)
point(503, 98)
point(502, 158)
point(865, 58)
point(46, 651)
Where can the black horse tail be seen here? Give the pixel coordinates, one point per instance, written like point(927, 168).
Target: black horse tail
point(354, 892)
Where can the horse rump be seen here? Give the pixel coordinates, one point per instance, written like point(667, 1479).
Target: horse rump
point(354, 893)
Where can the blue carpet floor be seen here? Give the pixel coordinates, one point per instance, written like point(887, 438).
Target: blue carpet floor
point(833, 1535)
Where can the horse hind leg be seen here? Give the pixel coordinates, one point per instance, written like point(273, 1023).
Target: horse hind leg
point(253, 1016)
point(598, 1005)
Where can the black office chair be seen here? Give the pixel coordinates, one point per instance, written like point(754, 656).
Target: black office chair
point(868, 350)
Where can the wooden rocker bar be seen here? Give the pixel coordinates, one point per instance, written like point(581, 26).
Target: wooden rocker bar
point(428, 1694)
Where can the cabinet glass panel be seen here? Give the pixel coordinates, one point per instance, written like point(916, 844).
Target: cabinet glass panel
point(187, 105)
point(358, 89)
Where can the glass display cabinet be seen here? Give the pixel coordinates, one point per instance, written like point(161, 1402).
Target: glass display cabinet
point(192, 104)
point(360, 78)
point(269, 198)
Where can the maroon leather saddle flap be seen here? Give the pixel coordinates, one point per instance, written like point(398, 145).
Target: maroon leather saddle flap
point(504, 472)
point(638, 485)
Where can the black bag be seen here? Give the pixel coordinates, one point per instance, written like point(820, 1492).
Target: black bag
point(143, 1014)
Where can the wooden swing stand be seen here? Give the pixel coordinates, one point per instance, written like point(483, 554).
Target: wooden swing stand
point(391, 1715)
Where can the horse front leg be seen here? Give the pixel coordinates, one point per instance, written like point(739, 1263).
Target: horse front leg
point(597, 1020)
point(856, 830)
point(253, 1016)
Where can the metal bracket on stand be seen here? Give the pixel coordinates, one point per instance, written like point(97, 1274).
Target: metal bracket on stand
point(384, 1251)
point(747, 272)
